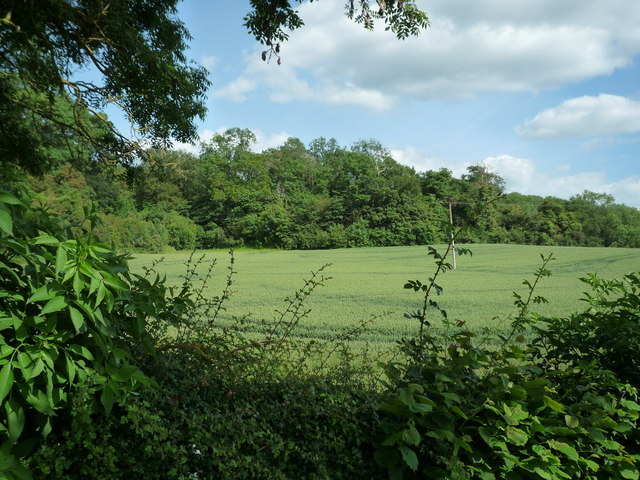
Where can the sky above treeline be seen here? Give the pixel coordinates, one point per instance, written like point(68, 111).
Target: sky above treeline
point(544, 93)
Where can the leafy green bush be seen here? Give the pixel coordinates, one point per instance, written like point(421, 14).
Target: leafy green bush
point(606, 333)
point(71, 317)
point(502, 407)
point(469, 412)
point(198, 426)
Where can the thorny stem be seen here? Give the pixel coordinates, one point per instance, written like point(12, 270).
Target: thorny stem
point(524, 306)
point(442, 266)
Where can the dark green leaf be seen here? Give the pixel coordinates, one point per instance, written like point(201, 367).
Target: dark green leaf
point(406, 396)
point(45, 292)
point(38, 400)
point(114, 282)
point(71, 368)
point(593, 466)
point(46, 240)
point(15, 419)
point(6, 224)
point(516, 436)
point(61, 259)
point(107, 398)
point(411, 436)
point(543, 473)
point(630, 472)
point(100, 295)
point(54, 305)
point(630, 405)
point(565, 448)
point(553, 404)
point(409, 457)
point(486, 436)
point(9, 199)
point(35, 371)
point(81, 350)
point(571, 421)
point(77, 284)
point(78, 320)
point(392, 439)
point(6, 380)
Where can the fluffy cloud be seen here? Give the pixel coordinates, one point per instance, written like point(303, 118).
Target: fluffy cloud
point(285, 85)
point(471, 47)
point(522, 175)
point(237, 90)
point(417, 159)
point(584, 117)
point(264, 140)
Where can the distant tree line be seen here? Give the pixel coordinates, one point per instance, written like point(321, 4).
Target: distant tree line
point(321, 195)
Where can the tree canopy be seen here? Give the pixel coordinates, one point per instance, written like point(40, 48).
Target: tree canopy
point(321, 195)
point(137, 50)
point(135, 46)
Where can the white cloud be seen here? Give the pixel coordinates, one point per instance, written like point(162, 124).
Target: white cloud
point(264, 140)
point(236, 91)
point(470, 47)
point(522, 175)
point(584, 117)
point(349, 94)
point(209, 61)
point(285, 85)
point(419, 160)
point(516, 172)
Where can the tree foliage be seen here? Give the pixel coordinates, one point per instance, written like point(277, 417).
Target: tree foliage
point(270, 21)
point(136, 48)
point(322, 195)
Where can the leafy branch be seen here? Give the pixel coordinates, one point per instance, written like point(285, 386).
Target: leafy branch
point(442, 266)
point(522, 318)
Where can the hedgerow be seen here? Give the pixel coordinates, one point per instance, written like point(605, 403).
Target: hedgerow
point(106, 374)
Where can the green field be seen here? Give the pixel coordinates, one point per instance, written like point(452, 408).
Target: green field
point(369, 282)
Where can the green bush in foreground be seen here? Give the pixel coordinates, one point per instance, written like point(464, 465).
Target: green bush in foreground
point(470, 412)
point(463, 407)
point(189, 428)
point(143, 384)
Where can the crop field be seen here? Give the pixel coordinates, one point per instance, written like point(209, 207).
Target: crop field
point(368, 282)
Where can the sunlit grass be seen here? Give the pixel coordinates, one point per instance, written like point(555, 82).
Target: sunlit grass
point(368, 283)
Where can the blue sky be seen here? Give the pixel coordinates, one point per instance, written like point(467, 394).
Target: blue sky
point(545, 93)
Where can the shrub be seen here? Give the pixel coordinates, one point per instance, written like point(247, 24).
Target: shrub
point(500, 407)
point(607, 333)
point(66, 319)
point(196, 426)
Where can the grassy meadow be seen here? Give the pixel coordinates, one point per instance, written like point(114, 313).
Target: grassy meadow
point(368, 282)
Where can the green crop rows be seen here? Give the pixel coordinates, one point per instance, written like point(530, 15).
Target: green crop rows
point(369, 282)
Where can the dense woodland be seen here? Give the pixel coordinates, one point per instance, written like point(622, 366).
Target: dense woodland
point(322, 195)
